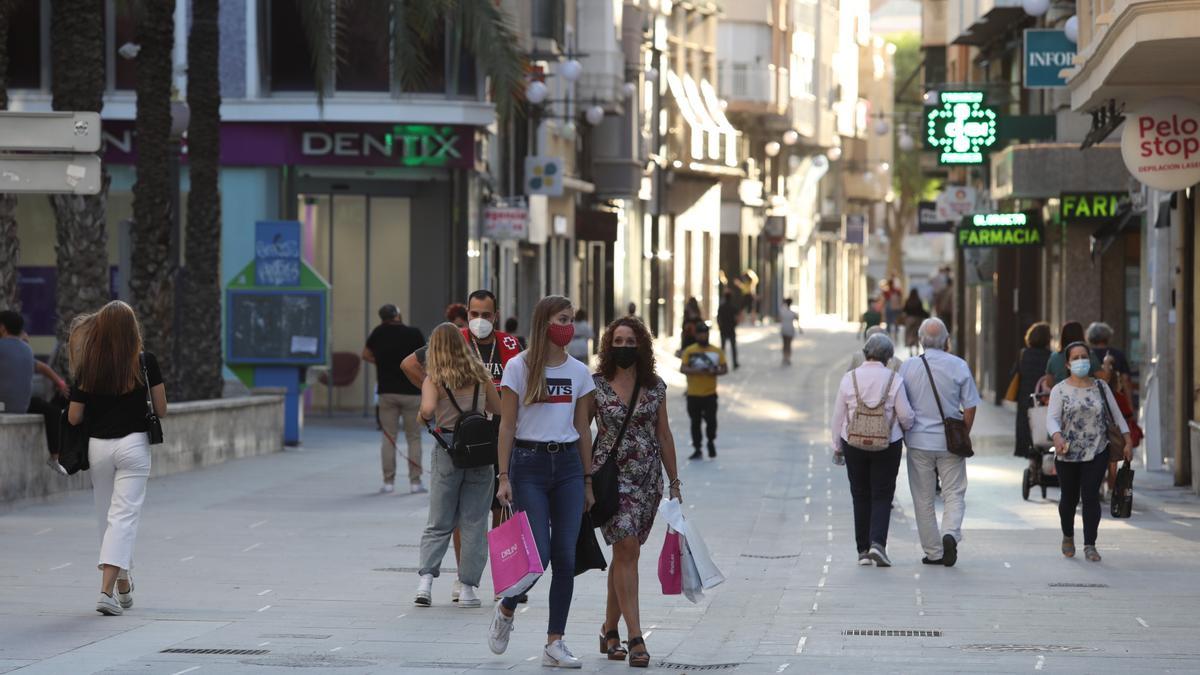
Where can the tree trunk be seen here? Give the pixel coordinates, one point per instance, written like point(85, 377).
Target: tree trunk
point(77, 43)
point(10, 245)
point(200, 345)
point(152, 273)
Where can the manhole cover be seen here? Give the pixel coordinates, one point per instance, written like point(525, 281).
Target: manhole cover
point(1069, 584)
point(668, 665)
point(883, 632)
point(1026, 648)
point(217, 652)
point(413, 570)
point(294, 636)
point(770, 557)
point(312, 661)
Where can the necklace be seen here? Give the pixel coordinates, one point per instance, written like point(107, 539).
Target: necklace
point(491, 354)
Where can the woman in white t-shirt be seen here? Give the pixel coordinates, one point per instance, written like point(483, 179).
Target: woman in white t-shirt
point(546, 444)
point(788, 329)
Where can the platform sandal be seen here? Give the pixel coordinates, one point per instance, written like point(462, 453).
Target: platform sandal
point(640, 658)
point(610, 644)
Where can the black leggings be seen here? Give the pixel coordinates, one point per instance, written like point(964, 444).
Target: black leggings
point(702, 408)
point(1077, 479)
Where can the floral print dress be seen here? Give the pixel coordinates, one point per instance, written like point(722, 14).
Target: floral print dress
point(639, 459)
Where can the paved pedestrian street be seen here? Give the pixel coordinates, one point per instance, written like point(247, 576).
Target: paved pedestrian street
point(294, 561)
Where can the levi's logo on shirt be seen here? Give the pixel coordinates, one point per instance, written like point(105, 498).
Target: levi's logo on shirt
point(559, 390)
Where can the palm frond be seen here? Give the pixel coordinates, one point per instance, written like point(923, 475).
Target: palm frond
point(488, 33)
point(410, 65)
point(320, 21)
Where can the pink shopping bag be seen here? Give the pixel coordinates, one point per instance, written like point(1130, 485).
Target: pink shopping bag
point(516, 564)
point(670, 573)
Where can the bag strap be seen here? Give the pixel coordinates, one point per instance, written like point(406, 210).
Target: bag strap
point(637, 387)
point(936, 397)
point(146, 381)
point(1104, 393)
point(854, 380)
point(454, 401)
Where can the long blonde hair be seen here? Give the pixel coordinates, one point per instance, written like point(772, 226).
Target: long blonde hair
point(539, 347)
point(450, 363)
point(104, 348)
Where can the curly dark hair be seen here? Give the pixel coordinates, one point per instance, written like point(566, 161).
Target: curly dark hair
point(456, 312)
point(647, 373)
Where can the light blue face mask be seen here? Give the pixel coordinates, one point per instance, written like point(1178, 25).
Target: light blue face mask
point(1081, 367)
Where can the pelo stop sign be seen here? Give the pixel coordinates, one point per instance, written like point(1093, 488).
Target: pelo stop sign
point(1161, 143)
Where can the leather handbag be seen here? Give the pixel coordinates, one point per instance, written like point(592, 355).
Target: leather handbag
point(1122, 494)
point(1116, 438)
point(588, 554)
point(153, 424)
point(958, 439)
point(1014, 388)
point(604, 479)
point(72, 445)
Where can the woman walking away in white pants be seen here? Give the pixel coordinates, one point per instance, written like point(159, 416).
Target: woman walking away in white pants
point(113, 379)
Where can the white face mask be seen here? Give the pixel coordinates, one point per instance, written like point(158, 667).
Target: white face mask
point(481, 328)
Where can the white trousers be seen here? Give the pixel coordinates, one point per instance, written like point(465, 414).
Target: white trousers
point(120, 469)
point(925, 467)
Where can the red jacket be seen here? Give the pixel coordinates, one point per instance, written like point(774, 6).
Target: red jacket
point(507, 344)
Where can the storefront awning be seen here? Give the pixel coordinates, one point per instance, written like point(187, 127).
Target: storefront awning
point(992, 26)
point(712, 137)
point(1106, 234)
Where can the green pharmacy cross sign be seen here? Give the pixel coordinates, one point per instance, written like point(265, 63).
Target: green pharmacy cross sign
point(960, 128)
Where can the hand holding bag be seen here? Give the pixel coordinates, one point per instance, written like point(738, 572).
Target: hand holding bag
point(153, 424)
point(958, 439)
point(670, 564)
point(516, 563)
point(604, 479)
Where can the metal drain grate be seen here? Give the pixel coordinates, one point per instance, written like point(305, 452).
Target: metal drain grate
point(870, 632)
point(759, 556)
point(1025, 648)
point(668, 665)
point(1069, 584)
point(218, 652)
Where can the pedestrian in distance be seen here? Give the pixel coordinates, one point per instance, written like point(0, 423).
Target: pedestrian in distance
point(1099, 336)
point(872, 318)
point(456, 313)
point(113, 382)
point(893, 306)
point(511, 326)
point(459, 499)
point(1057, 368)
point(545, 456)
point(703, 363)
point(1080, 410)
point(387, 346)
point(858, 358)
point(687, 329)
point(17, 370)
point(628, 387)
point(870, 415)
point(1110, 375)
point(1028, 369)
point(581, 343)
point(788, 329)
point(937, 376)
point(914, 313)
point(729, 315)
point(631, 309)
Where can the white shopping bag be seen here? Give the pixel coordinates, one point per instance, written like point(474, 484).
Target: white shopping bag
point(694, 547)
point(693, 588)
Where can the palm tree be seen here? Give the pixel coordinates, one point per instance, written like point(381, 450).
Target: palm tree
point(200, 345)
point(10, 244)
point(152, 271)
point(77, 57)
point(481, 27)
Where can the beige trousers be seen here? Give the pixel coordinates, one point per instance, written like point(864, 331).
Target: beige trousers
point(392, 407)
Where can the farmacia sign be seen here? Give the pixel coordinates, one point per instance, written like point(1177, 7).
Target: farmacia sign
point(987, 230)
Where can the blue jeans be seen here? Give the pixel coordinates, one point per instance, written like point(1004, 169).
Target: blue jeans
point(549, 489)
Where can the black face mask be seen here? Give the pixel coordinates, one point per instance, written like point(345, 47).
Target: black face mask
point(702, 341)
point(624, 356)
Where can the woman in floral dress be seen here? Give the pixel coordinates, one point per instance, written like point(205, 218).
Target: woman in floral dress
point(626, 365)
point(1077, 419)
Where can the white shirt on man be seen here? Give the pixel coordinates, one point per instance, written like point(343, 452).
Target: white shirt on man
point(787, 321)
point(872, 377)
point(554, 419)
point(956, 388)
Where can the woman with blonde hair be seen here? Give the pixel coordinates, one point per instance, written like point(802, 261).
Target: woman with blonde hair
point(545, 441)
point(114, 383)
point(458, 498)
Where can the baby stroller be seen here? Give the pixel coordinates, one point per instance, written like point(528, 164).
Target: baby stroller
point(1041, 472)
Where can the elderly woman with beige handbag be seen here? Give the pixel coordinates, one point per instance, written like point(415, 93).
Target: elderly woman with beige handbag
point(870, 414)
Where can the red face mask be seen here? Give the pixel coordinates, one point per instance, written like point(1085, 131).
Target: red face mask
point(561, 334)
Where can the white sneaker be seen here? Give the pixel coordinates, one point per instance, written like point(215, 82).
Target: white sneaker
point(108, 606)
point(387, 489)
point(467, 598)
point(499, 631)
point(556, 655)
point(458, 586)
point(424, 597)
point(126, 599)
point(417, 488)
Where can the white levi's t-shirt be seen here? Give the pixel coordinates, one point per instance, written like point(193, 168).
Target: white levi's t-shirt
point(553, 420)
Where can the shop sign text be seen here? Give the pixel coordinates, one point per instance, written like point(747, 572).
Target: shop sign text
point(1082, 207)
point(1161, 144)
point(1047, 53)
point(985, 230)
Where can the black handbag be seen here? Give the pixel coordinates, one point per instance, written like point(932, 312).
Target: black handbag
point(153, 424)
point(1122, 494)
point(588, 554)
point(604, 479)
point(72, 445)
point(958, 439)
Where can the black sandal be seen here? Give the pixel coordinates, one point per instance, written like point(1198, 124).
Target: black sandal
point(615, 651)
point(638, 659)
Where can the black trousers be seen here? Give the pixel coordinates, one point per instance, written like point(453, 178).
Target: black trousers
point(729, 344)
point(1076, 480)
point(872, 475)
point(702, 408)
point(50, 412)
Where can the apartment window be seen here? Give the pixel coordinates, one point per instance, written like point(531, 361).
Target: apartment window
point(366, 54)
point(548, 20)
point(935, 66)
point(803, 61)
point(289, 58)
point(121, 29)
point(25, 45)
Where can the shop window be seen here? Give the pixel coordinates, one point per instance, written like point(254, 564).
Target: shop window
point(289, 59)
point(122, 30)
point(25, 45)
point(365, 52)
point(548, 20)
point(435, 51)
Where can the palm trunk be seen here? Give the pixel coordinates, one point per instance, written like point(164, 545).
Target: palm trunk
point(10, 245)
point(152, 273)
point(200, 345)
point(896, 230)
point(77, 39)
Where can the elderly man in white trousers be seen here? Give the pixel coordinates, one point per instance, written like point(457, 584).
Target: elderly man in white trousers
point(928, 459)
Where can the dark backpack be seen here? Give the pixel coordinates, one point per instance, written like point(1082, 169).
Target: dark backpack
point(474, 436)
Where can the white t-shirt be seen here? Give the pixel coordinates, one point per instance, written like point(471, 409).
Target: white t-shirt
point(787, 321)
point(553, 420)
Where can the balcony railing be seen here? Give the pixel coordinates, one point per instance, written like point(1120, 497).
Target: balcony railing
point(746, 82)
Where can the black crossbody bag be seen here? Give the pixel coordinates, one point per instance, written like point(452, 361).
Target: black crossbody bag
point(958, 439)
point(604, 480)
point(153, 424)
